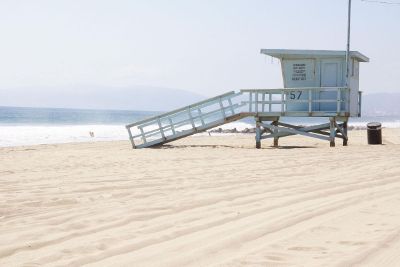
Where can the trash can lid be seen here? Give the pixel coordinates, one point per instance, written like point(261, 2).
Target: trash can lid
point(374, 125)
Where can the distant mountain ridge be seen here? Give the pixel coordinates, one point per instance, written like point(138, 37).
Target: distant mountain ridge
point(142, 98)
point(146, 98)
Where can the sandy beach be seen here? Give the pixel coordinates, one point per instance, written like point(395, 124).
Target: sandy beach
point(202, 201)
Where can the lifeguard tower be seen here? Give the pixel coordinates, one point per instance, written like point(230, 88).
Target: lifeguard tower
point(315, 85)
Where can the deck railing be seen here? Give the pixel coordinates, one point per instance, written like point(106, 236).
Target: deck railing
point(319, 101)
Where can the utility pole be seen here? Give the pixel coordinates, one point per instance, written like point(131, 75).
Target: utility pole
point(348, 45)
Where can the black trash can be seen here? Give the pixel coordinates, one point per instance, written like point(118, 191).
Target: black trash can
point(374, 130)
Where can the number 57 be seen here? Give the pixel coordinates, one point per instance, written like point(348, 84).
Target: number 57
point(294, 96)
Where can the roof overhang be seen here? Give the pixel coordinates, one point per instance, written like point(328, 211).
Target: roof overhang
point(301, 54)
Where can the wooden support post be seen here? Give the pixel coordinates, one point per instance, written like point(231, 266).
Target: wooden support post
point(258, 133)
point(276, 138)
point(346, 137)
point(332, 131)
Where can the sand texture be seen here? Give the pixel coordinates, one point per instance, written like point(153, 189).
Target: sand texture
point(202, 201)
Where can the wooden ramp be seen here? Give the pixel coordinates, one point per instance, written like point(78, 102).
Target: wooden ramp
point(262, 104)
point(186, 121)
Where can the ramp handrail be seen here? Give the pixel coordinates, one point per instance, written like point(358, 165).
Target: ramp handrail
point(185, 121)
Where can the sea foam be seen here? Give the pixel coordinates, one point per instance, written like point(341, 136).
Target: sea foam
point(21, 135)
point(33, 135)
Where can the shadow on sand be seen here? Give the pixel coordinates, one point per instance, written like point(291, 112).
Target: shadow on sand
point(167, 146)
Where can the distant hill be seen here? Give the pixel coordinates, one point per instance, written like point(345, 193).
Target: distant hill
point(95, 97)
point(381, 104)
point(148, 99)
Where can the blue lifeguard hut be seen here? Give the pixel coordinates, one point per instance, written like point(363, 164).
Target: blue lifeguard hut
point(320, 69)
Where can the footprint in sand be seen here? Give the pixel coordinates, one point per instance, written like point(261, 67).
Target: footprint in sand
point(307, 248)
point(275, 258)
point(352, 243)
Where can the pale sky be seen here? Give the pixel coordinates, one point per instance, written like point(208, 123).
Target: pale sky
point(203, 46)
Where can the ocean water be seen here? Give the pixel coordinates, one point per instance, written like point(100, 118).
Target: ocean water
point(31, 126)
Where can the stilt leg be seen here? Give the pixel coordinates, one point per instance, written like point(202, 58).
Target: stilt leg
point(346, 138)
point(276, 139)
point(258, 133)
point(332, 132)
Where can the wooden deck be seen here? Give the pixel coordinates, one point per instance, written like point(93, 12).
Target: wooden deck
point(262, 104)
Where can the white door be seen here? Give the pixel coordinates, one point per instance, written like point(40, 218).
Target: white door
point(331, 76)
point(330, 71)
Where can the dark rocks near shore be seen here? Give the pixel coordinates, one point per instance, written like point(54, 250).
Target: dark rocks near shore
point(234, 130)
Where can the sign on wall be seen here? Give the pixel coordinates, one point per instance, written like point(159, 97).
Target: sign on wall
point(299, 72)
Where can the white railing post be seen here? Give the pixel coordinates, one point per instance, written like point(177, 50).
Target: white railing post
point(250, 101)
point(270, 100)
point(231, 106)
point(201, 116)
point(172, 126)
point(131, 137)
point(222, 108)
point(263, 104)
point(143, 135)
point(348, 99)
point(256, 102)
point(160, 127)
point(191, 118)
point(309, 101)
point(339, 101)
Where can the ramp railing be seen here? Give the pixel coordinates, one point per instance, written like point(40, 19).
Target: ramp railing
point(185, 121)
